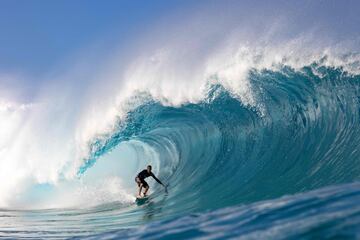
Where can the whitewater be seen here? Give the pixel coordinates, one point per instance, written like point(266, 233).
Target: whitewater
point(256, 139)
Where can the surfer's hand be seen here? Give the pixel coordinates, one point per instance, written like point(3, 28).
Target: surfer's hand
point(166, 186)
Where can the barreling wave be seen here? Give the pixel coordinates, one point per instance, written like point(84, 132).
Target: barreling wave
point(302, 135)
point(297, 133)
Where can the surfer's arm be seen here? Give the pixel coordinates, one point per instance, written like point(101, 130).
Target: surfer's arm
point(157, 179)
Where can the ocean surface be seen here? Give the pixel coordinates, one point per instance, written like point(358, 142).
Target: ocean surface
point(287, 167)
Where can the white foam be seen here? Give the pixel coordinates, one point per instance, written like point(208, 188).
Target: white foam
point(84, 195)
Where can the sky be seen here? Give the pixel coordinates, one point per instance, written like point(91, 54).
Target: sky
point(35, 35)
point(38, 36)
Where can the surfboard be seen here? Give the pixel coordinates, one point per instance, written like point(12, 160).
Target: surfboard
point(141, 200)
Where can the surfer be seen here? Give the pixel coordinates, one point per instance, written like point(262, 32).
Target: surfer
point(140, 180)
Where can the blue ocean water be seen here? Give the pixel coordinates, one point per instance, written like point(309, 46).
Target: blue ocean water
point(286, 168)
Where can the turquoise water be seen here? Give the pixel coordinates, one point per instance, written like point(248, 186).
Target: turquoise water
point(286, 168)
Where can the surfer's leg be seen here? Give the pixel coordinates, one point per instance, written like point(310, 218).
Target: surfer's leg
point(140, 188)
point(138, 181)
point(146, 187)
point(146, 190)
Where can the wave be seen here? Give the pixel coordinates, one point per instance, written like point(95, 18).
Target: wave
point(296, 131)
point(220, 152)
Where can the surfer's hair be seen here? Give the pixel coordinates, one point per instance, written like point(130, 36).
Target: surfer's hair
point(149, 166)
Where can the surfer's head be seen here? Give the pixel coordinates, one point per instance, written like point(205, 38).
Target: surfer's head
point(149, 168)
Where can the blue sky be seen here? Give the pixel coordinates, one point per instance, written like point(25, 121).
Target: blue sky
point(37, 36)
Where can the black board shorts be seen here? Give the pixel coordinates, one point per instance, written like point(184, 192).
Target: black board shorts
point(143, 182)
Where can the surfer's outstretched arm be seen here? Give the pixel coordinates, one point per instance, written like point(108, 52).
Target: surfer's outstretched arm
point(157, 179)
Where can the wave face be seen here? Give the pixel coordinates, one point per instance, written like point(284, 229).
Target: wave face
point(302, 135)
